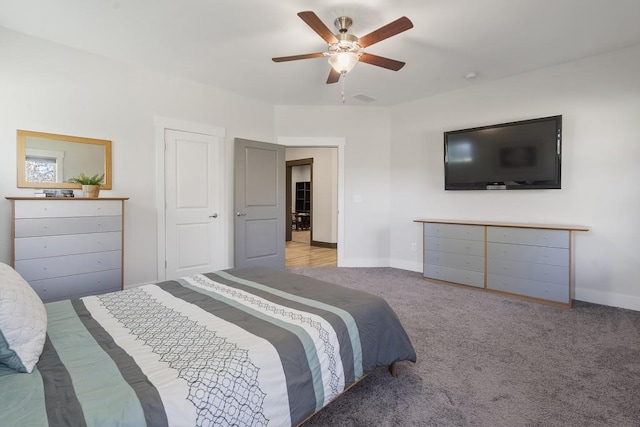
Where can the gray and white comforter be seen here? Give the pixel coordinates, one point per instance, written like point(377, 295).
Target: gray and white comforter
point(236, 347)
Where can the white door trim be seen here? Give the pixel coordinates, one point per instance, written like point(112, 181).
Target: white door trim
point(161, 124)
point(339, 143)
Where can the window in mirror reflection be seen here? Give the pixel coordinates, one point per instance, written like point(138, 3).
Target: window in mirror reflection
point(44, 165)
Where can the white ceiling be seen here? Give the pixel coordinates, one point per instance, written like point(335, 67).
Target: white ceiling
point(229, 44)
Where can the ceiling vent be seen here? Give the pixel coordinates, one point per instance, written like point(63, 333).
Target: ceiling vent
point(362, 97)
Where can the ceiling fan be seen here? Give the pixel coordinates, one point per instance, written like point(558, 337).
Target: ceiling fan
point(345, 50)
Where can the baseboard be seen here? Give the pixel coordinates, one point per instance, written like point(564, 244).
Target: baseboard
point(406, 265)
point(364, 262)
point(368, 262)
point(324, 244)
point(630, 302)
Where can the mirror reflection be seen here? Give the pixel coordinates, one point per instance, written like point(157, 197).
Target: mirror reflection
point(48, 160)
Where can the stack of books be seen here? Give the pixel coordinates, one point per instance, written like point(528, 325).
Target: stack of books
point(53, 193)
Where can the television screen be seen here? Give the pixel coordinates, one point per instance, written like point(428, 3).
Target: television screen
point(508, 156)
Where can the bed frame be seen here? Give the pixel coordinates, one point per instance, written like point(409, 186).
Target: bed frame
point(393, 370)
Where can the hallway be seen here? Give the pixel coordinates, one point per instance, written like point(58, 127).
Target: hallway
point(299, 253)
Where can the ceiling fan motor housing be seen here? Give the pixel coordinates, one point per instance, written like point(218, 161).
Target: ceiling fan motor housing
point(343, 23)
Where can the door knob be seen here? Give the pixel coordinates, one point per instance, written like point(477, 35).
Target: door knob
point(215, 215)
point(240, 214)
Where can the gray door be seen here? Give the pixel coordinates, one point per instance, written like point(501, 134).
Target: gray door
point(259, 204)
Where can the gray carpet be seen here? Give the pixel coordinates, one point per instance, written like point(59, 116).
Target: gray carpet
point(489, 360)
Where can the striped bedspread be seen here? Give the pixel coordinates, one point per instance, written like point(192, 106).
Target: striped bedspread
point(251, 347)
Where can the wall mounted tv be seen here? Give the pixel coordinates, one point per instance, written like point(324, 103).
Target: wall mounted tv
point(509, 156)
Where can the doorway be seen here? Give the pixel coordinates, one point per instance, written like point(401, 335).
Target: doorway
point(299, 200)
point(312, 206)
point(339, 143)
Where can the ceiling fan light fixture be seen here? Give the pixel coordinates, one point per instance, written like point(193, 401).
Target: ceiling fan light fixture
point(345, 50)
point(343, 62)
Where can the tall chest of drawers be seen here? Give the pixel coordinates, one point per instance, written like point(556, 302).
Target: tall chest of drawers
point(69, 248)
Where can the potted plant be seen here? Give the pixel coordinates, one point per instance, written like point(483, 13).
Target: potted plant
point(90, 184)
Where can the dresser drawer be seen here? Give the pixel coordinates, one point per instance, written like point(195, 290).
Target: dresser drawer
point(29, 227)
point(465, 277)
point(45, 268)
point(527, 270)
point(530, 288)
point(78, 285)
point(536, 254)
point(448, 259)
point(66, 208)
point(458, 246)
point(529, 236)
point(48, 246)
point(454, 231)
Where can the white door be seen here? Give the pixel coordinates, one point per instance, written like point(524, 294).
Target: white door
point(193, 201)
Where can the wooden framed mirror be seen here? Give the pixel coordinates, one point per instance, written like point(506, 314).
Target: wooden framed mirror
point(47, 160)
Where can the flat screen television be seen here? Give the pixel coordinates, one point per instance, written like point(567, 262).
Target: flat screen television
point(509, 156)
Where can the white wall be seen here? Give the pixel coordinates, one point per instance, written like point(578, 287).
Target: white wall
point(393, 159)
point(325, 189)
point(49, 88)
point(599, 98)
point(367, 131)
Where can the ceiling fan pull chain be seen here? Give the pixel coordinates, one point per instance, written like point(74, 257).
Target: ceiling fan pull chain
point(344, 75)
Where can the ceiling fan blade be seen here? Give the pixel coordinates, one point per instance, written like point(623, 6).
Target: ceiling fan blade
point(296, 57)
point(391, 29)
point(381, 61)
point(318, 26)
point(334, 76)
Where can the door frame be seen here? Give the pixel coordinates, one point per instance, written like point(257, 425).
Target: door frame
point(335, 142)
point(166, 123)
point(289, 199)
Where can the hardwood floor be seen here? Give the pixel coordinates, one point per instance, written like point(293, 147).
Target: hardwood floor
point(299, 253)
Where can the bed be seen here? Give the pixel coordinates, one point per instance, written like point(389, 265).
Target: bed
point(234, 347)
